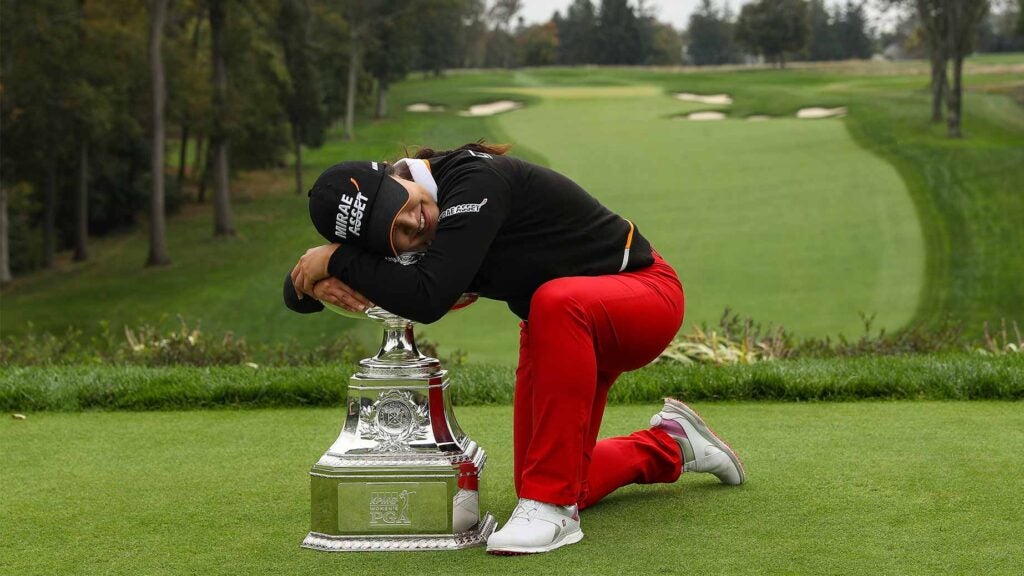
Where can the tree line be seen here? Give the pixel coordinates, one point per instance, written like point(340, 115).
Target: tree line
point(100, 98)
point(950, 30)
point(96, 93)
point(814, 30)
point(777, 30)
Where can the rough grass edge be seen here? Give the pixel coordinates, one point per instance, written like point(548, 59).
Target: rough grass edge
point(922, 377)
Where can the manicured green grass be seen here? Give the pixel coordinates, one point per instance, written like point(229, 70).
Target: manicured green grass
point(786, 221)
point(865, 488)
point(1004, 58)
point(787, 217)
point(966, 192)
point(921, 377)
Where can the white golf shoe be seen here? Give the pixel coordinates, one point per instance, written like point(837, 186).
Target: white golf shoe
point(703, 451)
point(466, 510)
point(536, 527)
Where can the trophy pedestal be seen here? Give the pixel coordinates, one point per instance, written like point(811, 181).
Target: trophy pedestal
point(402, 475)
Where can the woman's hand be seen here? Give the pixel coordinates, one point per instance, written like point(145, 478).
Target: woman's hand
point(334, 291)
point(312, 268)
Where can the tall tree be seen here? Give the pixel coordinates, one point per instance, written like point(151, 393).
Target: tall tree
point(501, 42)
point(823, 41)
point(110, 106)
point(440, 34)
point(5, 233)
point(392, 50)
point(932, 14)
point(538, 44)
point(474, 36)
point(577, 34)
point(773, 27)
point(853, 33)
point(962, 19)
point(5, 252)
point(157, 241)
point(82, 192)
point(81, 253)
point(223, 222)
point(362, 16)
point(618, 33)
point(666, 45)
point(302, 96)
point(329, 36)
point(710, 36)
point(188, 98)
point(646, 26)
point(41, 99)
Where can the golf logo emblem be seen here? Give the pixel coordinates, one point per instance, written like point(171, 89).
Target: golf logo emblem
point(390, 507)
point(394, 416)
point(393, 421)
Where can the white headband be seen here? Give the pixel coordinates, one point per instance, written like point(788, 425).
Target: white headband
point(417, 170)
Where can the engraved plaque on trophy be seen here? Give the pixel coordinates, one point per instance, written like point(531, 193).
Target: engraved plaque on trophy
point(402, 475)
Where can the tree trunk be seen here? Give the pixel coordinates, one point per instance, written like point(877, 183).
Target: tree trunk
point(382, 98)
point(222, 219)
point(49, 218)
point(353, 77)
point(954, 99)
point(5, 252)
point(186, 122)
point(199, 166)
point(939, 83)
point(183, 152)
point(204, 176)
point(82, 205)
point(81, 253)
point(157, 242)
point(297, 138)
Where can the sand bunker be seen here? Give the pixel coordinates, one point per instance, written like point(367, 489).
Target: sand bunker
point(423, 107)
point(704, 98)
point(702, 116)
point(491, 108)
point(810, 113)
point(758, 117)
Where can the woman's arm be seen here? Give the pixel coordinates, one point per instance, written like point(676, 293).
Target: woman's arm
point(474, 207)
point(330, 290)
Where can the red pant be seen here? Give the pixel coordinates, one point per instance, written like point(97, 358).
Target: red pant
point(584, 331)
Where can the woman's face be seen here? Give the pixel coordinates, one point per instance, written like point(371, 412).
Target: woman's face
point(416, 224)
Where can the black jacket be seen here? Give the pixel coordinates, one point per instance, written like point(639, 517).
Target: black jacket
point(506, 227)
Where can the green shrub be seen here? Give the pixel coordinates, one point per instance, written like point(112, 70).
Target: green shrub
point(738, 340)
point(148, 346)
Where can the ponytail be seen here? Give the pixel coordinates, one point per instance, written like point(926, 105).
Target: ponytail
point(478, 146)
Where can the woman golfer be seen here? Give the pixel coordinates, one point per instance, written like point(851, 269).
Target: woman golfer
point(594, 297)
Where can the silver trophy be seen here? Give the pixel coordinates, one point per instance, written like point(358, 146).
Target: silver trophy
point(402, 475)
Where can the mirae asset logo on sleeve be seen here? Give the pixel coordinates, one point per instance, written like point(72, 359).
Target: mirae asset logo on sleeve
point(350, 213)
point(461, 208)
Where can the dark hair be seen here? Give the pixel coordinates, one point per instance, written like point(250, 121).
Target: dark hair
point(478, 146)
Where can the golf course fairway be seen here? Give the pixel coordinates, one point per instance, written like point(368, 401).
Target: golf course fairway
point(785, 220)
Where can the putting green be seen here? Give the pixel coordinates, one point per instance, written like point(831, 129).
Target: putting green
point(787, 221)
point(835, 488)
